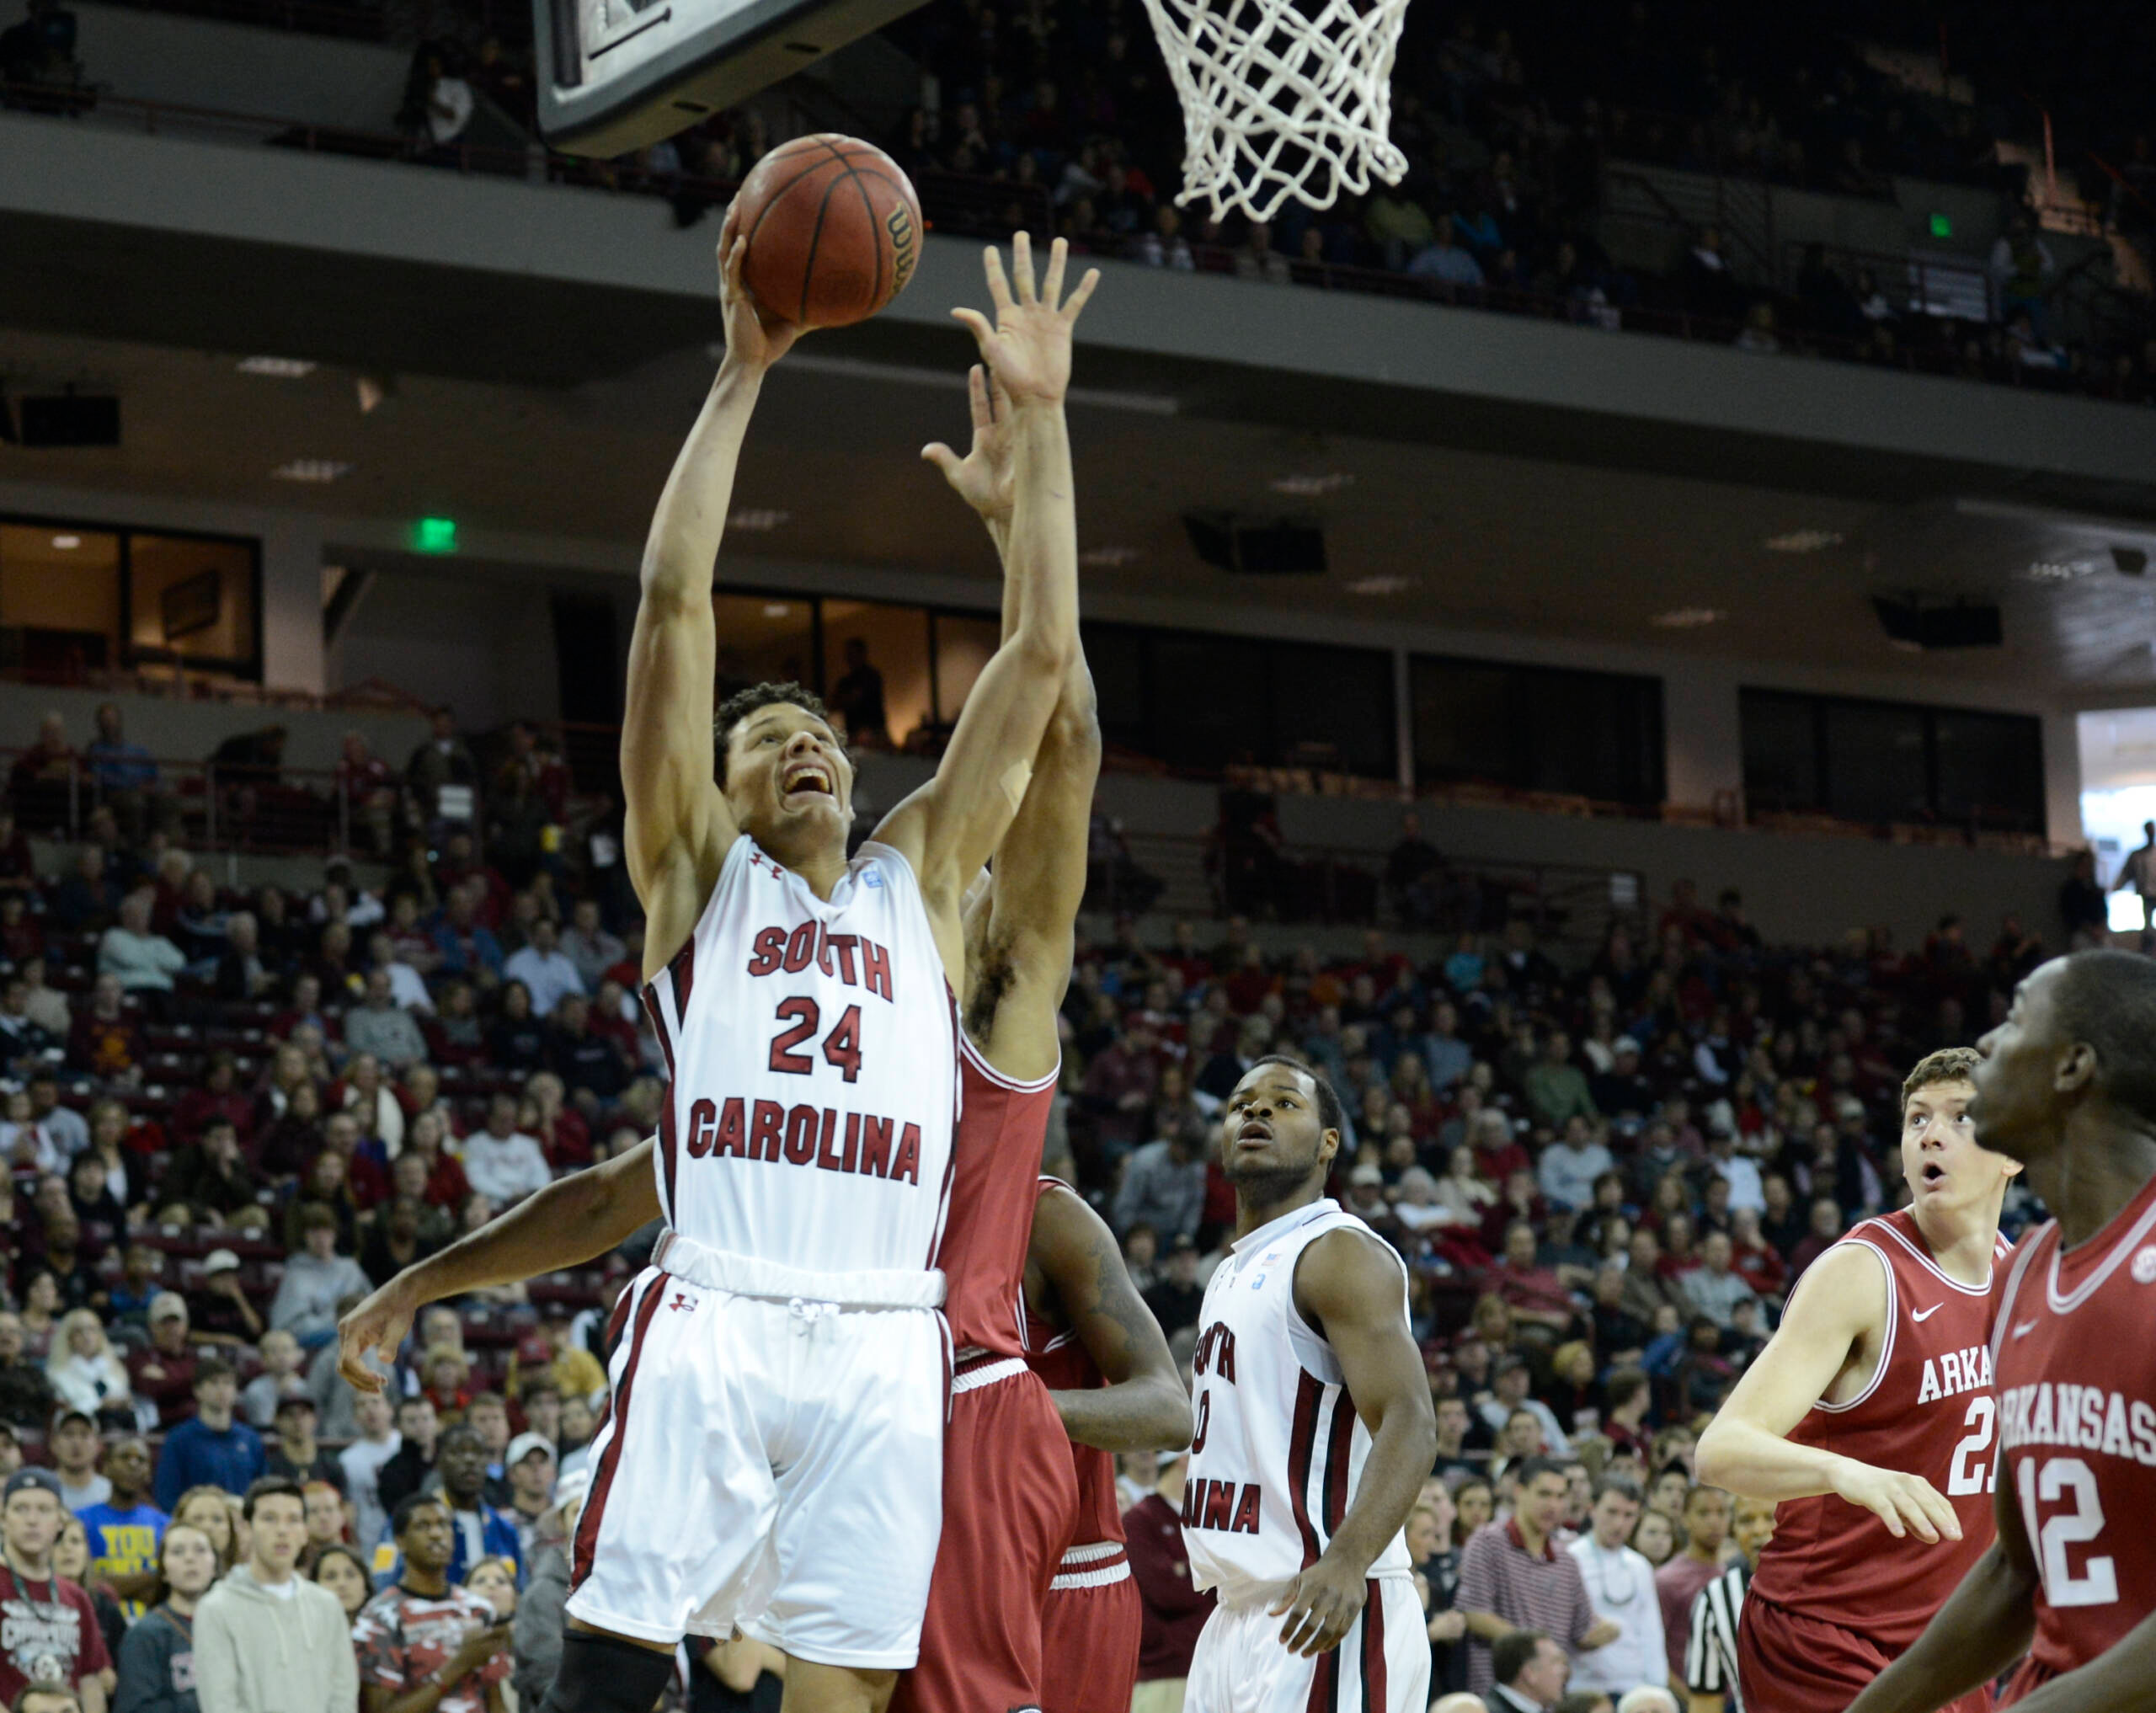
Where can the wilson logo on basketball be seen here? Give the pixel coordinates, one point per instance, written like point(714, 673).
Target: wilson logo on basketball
point(905, 251)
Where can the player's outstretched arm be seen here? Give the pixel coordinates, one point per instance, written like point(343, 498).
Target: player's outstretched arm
point(571, 1220)
point(949, 830)
point(678, 827)
point(1842, 1296)
point(1144, 1406)
point(1348, 1287)
point(1986, 1624)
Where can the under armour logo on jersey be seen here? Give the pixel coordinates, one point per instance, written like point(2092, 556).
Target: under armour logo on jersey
point(2144, 1265)
point(682, 1301)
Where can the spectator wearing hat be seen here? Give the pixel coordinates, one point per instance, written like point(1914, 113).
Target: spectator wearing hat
point(530, 1462)
point(223, 1312)
point(210, 1450)
point(162, 1371)
point(73, 1445)
point(537, 1634)
point(295, 1454)
point(315, 1278)
point(1622, 1092)
point(1176, 1298)
point(50, 1620)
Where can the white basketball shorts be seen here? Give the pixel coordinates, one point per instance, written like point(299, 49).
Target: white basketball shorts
point(771, 1464)
point(1383, 1666)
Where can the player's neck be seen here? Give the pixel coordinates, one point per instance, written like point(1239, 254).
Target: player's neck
point(1961, 1242)
point(820, 863)
point(427, 1585)
point(2099, 1174)
point(1253, 1213)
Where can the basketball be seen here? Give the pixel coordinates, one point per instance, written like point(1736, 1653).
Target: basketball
point(833, 228)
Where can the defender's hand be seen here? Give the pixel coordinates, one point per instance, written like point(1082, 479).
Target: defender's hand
point(982, 478)
point(380, 1324)
point(1027, 346)
point(1321, 1605)
point(754, 340)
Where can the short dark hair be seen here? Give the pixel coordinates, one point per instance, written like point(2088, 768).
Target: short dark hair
point(738, 706)
point(459, 1430)
point(1623, 1487)
point(211, 1367)
point(1533, 1468)
point(1330, 1114)
point(409, 1506)
point(539, 1385)
point(272, 1487)
point(2108, 1000)
point(1622, 1387)
point(1511, 1653)
point(1700, 1488)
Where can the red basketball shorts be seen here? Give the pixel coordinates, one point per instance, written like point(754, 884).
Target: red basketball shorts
point(1010, 1498)
point(1090, 1632)
point(1789, 1663)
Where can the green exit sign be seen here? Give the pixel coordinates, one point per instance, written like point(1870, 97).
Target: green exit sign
point(1941, 227)
point(434, 534)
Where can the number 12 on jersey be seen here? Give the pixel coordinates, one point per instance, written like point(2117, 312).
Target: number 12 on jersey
point(2061, 1480)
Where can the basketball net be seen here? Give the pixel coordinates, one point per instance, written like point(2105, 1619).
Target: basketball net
point(1282, 97)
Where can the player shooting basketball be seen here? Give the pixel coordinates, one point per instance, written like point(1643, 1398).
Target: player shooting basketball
point(772, 1451)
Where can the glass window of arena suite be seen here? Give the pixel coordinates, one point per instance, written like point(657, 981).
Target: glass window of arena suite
point(75, 599)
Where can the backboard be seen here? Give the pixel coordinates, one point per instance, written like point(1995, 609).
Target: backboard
point(618, 75)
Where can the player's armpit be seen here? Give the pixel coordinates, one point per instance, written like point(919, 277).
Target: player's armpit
point(1144, 1406)
point(1350, 1287)
point(1841, 1297)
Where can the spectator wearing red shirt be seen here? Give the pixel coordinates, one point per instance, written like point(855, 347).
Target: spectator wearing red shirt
point(106, 1041)
point(1534, 1294)
point(1753, 1259)
point(51, 1630)
point(564, 1137)
point(218, 1097)
point(447, 1185)
point(1497, 1156)
point(1174, 1611)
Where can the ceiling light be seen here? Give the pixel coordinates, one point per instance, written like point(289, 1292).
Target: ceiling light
point(775, 609)
point(1688, 618)
point(1380, 585)
point(1803, 541)
point(758, 520)
point(67, 544)
point(1107, 558)
point(1310, 487)
point(311, 470)
point(277, 368)
point(2058, 570)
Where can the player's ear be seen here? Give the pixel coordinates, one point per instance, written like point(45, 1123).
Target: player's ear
point(2076, 1070)
point(1328, 1147)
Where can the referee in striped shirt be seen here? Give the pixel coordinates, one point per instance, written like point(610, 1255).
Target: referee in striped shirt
point(1711, 1657)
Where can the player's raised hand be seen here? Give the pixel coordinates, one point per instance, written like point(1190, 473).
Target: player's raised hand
point(753, 339)
point(1320, 1607)
point(379, 1325)
point(982, 478)
point(1027, 345)
point(1906, 1503)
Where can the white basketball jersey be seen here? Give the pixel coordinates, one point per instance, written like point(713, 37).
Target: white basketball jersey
point(1279, 1448)
point(813, 1053)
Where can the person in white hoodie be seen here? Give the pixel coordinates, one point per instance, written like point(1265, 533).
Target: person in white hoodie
point(266, 1640)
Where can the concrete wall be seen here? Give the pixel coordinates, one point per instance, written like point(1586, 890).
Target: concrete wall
point(341, 206)
point(1799, 890)
point(454, 640)
point(174, 730)
point(238, 68)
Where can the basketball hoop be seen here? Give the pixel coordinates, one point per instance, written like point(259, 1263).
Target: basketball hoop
point(1282, 97)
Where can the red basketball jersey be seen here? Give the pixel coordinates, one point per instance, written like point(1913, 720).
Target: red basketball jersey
point(1930, 1411)
point(1064, 1366)
point(2076, 1397)
point(996, 1155)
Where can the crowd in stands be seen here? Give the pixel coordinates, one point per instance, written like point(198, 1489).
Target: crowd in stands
point(231, 1110)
